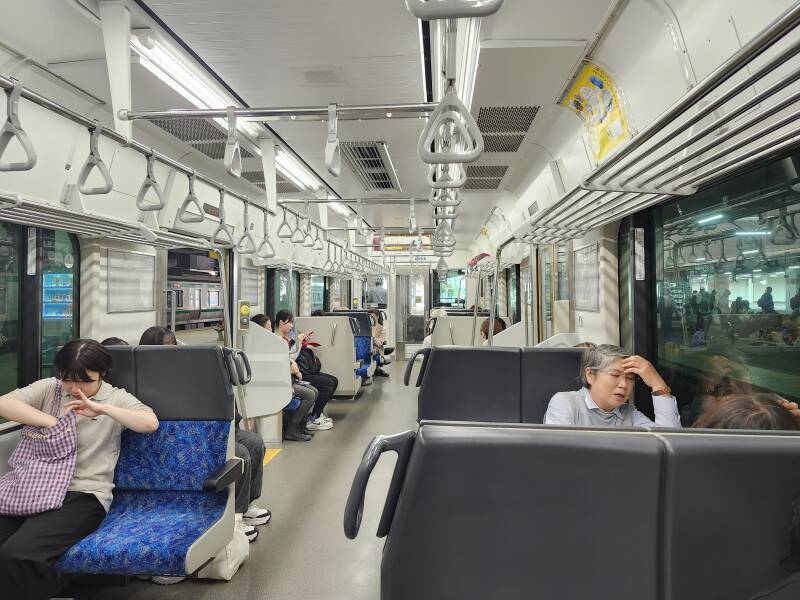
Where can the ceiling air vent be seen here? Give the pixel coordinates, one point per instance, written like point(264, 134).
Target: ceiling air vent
point(283, 185)
point(504, 127)
point(371, 164)
point(201, 134)
point(485, 177)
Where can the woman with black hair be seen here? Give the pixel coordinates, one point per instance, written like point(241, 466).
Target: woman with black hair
point(90, 414)
point(158, 336)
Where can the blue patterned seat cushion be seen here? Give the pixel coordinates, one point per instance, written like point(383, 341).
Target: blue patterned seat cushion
point(363, 347)
point(179, 455)
point(363, 371)
point(145, 533)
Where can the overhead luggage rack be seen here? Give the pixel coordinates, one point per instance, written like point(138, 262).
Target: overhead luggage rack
point(710, 133)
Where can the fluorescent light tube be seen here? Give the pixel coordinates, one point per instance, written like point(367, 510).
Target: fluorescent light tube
point(756, 270)
point(752, 232)
point(749, 251)
point(293, 170)
point(709, 219)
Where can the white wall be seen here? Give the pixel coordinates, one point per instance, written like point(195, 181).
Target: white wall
point(602, 327)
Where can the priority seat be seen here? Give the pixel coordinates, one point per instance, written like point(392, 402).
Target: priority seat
point(173, 497)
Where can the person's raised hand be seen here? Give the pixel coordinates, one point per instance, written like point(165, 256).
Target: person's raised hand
point(81, 405)
point(644, 369)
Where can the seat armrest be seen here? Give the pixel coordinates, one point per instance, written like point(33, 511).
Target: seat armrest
point(224, 476)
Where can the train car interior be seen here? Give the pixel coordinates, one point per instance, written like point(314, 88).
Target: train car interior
point(513, 285)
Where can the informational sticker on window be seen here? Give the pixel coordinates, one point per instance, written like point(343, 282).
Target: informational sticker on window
point(595, 98)
point(586, 272)
point(638, 254)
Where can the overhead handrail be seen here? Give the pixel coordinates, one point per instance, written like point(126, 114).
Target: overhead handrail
point(246, 243)
point(429, 10)
point(722, 258)
point(13, 129)
point(265, 249)
point(788, 229)
point(443, 178)
point(285, 230)
point(191, 199)
point(94, 161)
point(333, 153)
point(233, 152)
point(445, 198)
point(218, 238)
point(451, 113)
point(148, 184)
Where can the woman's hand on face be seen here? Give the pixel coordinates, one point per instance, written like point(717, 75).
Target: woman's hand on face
point(644, 369)
point(83, 406)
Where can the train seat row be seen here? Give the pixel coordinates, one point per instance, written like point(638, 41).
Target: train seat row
point(457, 329)
point(520, 511)
point(503, 385)
point(173, 507)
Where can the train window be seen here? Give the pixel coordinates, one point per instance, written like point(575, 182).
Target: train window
point(625, 285)
point(546, 290)
point(283, 290)
point(728, 288)
point(452, 291)
point(10, 271)
point(512, 293)
point(317, 292)
point(60, 278)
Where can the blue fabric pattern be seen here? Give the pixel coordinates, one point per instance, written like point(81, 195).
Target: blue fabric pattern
point(363, 371)
point(146, 533)
point(180, 455)
point(363, 347)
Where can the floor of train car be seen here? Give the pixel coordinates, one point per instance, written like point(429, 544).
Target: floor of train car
point(303, 553)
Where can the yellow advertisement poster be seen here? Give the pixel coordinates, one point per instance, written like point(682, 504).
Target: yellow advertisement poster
point(594, 97)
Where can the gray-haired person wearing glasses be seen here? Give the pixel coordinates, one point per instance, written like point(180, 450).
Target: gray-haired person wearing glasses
point(608, 375)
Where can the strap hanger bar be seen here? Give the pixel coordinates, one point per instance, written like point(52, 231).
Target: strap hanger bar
point(304, 113)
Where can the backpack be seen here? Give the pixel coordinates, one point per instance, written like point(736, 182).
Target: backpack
point(308, 363)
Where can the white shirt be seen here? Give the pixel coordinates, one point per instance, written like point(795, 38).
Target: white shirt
point(562, 411)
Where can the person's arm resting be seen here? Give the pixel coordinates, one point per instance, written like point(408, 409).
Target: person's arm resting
point(14, 409)
point(666, 410)
point(141, 420)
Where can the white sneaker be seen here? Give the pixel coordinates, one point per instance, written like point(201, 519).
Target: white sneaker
point(318, 425)
point(256, 515)
point(325, 418)
point(163, 580)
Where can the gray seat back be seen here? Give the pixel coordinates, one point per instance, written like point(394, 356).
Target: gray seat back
point(546, 371)
point(471, 384)
point(729, 498)
point(525, 512)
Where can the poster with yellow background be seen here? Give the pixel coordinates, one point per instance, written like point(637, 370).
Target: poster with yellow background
point(594, 97)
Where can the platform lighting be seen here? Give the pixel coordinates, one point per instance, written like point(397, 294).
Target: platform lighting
point(728, 273)
point(756, 270)
point(749, 251)
point(709, 219)
point(794, 267)
point(173, 71)
point(752, 232)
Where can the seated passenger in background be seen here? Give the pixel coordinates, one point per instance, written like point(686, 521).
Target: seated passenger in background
point(158, 336)
point(434, 314)
point(751, 411)
point(379, 340)
point(499, 325)
point(317, 312)
point(114, 341)
point(294, 424)
point(90, 414)
point(608, 374)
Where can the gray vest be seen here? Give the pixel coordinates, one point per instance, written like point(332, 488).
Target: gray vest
point(597, 417)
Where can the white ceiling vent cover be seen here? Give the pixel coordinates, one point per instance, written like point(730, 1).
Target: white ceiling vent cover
point(371, 164)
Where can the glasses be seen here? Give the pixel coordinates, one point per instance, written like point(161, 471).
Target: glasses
point(629, 377)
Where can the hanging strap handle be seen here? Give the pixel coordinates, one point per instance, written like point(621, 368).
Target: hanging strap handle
point(184, 215)
point(222, 235)
point(246, 243)
point(444, 180)
point(446, 198)
point(284, 229)
point(265, 249)
point(233, 152)
point(429, 10)
point(12, 129)
point(451, 112)
point(94, 161)
point(333, 153)
point(148, 184)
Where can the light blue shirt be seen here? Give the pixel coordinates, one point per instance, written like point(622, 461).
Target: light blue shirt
point(578, 408)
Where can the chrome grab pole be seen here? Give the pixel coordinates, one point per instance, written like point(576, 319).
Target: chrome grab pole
point(343, 112)
point(475, 307)
point(493, 310)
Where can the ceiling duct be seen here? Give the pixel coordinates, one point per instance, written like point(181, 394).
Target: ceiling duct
point(504, 127)
point(485, 177)
point(371, 164)
point(204, 135)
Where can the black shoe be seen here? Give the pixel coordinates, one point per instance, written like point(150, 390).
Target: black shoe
point(296, 436)
point(366, 381)
point(380, 373)
point(388, 350)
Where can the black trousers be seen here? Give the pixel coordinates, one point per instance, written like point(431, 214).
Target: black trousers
point(250, 448)
point(29, 546)
point(326, 385)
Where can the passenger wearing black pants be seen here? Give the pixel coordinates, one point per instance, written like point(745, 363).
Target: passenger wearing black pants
point(326, 385)
point(30, 545)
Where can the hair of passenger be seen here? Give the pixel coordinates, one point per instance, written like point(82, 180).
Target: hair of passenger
point(114, 341)
point(585, 345)
point(77, 357)
point(747, 411)
point(261, 319)
point(283, 315)
point(317, 312)
point(499, 326)
point(378, 315)
point(156, 336)
point(598, 358)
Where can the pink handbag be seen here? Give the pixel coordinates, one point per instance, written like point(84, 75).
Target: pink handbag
point(42, 465)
